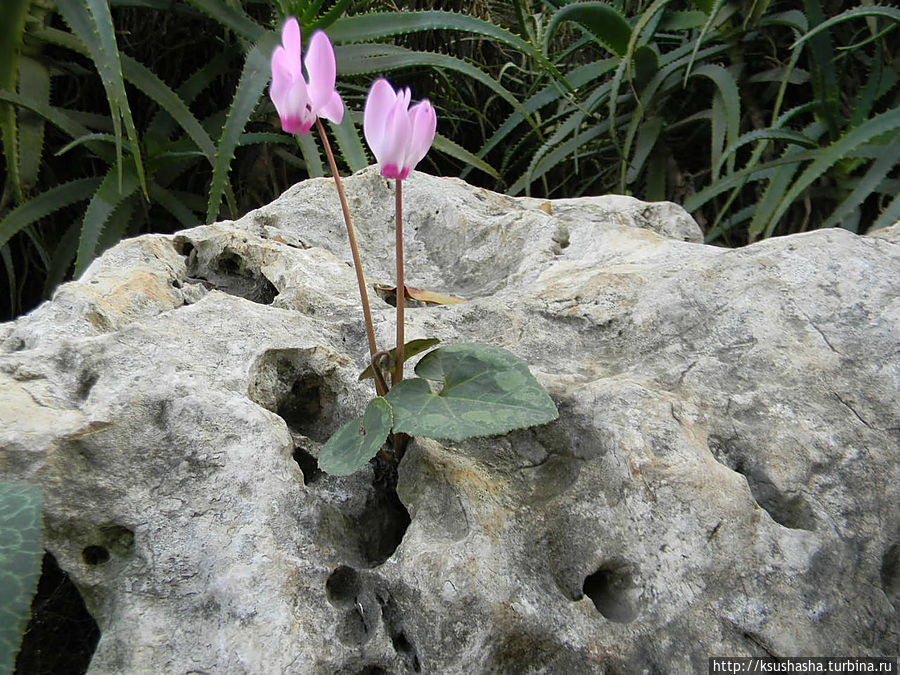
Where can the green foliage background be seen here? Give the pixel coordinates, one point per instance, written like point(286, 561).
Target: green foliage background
point(761, 118)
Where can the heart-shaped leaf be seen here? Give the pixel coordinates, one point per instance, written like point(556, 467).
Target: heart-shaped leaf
point(355, 443)
point(21, 551)
point(486, 391)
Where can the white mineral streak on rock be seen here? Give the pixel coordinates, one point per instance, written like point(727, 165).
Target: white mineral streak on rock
point(723, 478)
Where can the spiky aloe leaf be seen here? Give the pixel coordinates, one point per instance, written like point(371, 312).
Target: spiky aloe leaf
point(886, 160)
point(44, 204)
point(889, 216)
point(603, 21)
point(823, 70)
point(448, 147)
point(577, 78)
point(105, 200)
point(147, 81)
point(485, 391)
point(730, 101)
point(311, 157)
point(21, 551)
point(12, 28)
point(230, 16)
point(91, 22)
point(377, 26)
point(254, 78)
point(333, 14)
point(358, 441)
point(34, 82)
point(347, 135)
point(885, 123)
point(376, 58)
point(713, 14)
point(873, 10)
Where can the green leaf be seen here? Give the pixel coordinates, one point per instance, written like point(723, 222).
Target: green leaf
point(730, 100)
point(885, 122)
point(91, 22)
point(889, 216)
point(874, 10)
point(604, 22)
point(377, 26)
point(231, 17)
point(253, 81)
point(486, 391)
point(355, 443)
point(347, 136)
point(44, 204)
point(448, 147)
point(107, 198)
point(311, 156)
point(646, 141)
point(550, 94)
point(824, 73)
point(173, 205)
point(34, 82)
point(12, 27)
point(378, 58)
point(145, 80)
point(61, 260)
point(772, 133)
point(411, 348)
point(21, 551)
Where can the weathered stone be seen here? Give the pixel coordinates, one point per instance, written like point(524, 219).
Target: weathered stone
point(722, 480)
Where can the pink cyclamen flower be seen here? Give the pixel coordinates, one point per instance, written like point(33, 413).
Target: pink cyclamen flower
point(398, 135)
point(297, 100)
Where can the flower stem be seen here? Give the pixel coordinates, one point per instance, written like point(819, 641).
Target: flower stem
point(399, 354)
point(360, 279)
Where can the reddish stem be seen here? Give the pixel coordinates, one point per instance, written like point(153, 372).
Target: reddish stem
point(360, 279)
point(399, 354)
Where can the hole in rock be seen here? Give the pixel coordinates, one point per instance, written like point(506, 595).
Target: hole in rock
point(308, 464)
point(373, 670)
point(230, 274)
point(609, 589)
point(890, 575)
point(301, 408)
point(291, 384)
point(94, 555)
point(118, 539)
point(85, 384)
point(61, 636)
point(342, 586)
point(393, 624)
point(183, 246)
point(791, 511)
point(353, 629)
point(383, 523)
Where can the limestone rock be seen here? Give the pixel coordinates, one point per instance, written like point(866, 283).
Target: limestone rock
point(722, 480)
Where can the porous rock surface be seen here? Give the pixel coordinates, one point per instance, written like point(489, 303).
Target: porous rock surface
point(722, 480)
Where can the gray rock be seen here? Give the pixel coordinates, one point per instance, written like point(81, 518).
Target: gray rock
point(722, 480)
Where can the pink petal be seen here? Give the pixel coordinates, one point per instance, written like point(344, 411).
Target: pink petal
point(293, 109)
point(379, 104)
point(423, 123)
point(290, 38)
point(321, 70)
point(334, 109)
point(396, 136)
point(281, 77)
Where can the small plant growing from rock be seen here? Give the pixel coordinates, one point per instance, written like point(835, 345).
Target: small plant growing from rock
point(462, 391)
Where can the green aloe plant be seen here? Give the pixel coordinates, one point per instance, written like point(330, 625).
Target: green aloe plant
point(154, 165)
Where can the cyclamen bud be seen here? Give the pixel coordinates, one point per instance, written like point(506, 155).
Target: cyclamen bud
point(398, 135)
